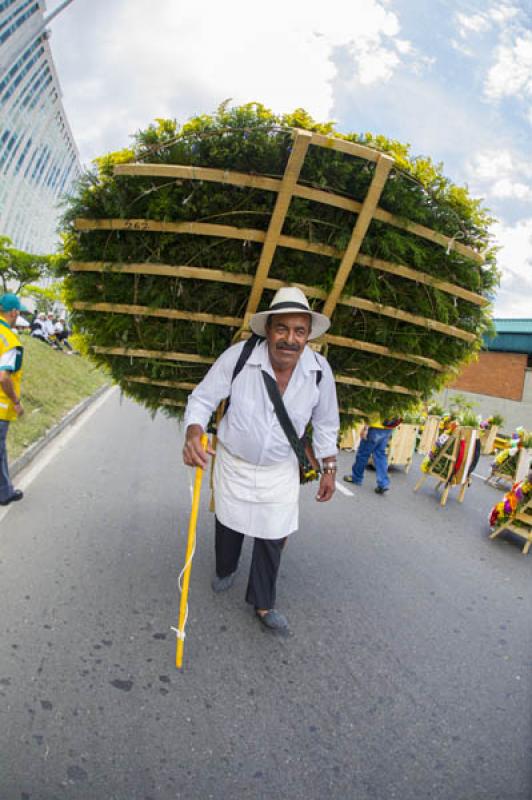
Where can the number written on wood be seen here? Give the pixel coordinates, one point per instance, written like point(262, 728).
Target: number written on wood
point(137, 225)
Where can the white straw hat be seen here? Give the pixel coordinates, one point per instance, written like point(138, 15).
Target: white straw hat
point(290, 300)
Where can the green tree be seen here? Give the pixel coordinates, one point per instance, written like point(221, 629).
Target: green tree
point(18, 269)
point(45, 297)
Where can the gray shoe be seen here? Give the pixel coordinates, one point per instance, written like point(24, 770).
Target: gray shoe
point(274, 620)
point(222, 584)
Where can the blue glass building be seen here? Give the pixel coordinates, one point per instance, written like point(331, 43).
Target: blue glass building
point(39, 160)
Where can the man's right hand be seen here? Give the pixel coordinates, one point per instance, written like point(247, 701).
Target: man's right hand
point(19, 410)
point(193, 453)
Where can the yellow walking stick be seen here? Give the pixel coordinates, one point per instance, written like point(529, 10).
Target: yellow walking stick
point(191, 545)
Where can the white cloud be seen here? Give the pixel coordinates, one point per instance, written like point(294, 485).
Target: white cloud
point(501, 174)
point(461, 48)
point(515, 263)
point(506, 188)
point(502, 13)
point(484, 21)
point(476, 23)
point(187, 58)
point(511, 74)
point(492, 163)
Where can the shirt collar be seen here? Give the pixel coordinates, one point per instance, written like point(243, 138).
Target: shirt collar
point(307, 361)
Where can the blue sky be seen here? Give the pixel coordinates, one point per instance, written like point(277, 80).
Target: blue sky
point(451, 77)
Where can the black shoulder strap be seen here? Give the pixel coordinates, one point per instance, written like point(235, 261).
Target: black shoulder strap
point(245, 353)
point(319, 373)
point(285, 421)
point(248, 348)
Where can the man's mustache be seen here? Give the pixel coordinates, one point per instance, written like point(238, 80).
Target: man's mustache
point(293, 348)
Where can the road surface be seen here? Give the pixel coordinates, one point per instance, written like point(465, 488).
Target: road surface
point(407, 674)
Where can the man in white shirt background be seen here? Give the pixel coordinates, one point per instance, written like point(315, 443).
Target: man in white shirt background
point(256, 472)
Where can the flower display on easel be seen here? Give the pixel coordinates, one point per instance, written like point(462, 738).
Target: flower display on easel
point(449, 425)
point(495, 420)
point(512, 502)
point(505, 462)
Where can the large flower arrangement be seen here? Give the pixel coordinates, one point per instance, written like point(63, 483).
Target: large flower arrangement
point(162, 273)
point(512, 502)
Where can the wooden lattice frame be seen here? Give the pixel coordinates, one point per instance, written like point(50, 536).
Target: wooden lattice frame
point(286, 188)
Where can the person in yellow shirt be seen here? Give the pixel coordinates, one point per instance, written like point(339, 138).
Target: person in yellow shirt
point(374, 441)
point(11, 354)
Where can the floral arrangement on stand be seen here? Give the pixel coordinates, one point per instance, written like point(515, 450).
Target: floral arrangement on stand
point(512, 502)
point(495, 419)
point(505, 462)
point(448, 426)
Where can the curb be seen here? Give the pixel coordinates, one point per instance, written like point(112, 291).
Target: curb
point(33, 450)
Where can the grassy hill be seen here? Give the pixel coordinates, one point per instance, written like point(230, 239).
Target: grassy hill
point(52, 384)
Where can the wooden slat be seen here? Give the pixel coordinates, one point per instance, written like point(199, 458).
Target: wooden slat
point(306, 192)
point(382, 170)
point(384, 387)
point(242, 179)
point(428, 233)
point(163, 355)
point(159, 226)
point(369, 347)
point(169, 401)
point(309, 247)
point(206, 273)
point(344, 146)
point(165, 270)
point(422, 277)
point(165, 313)
point(354, 411)
point(167, 384)
point(202, 273)
point(405, 316)
point(201, 229)
point(290, 178)
point(292, 242)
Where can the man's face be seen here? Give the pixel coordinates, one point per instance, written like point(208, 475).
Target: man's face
point(287, 335)
point(10, 317)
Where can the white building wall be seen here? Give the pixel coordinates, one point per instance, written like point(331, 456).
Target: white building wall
point(39, 160)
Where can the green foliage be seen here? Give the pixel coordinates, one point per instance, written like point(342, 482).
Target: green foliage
point(18, 269)
point(45, 297)
point(252, 139)
point(469, 419)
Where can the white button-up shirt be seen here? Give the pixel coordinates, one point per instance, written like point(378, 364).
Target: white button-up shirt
point(250, 430)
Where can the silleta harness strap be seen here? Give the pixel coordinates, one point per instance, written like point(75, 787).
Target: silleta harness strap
point(308, 471)
point(298, 445)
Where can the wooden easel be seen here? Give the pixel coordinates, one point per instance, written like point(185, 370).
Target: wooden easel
point(488, 440)
point(523, 529)
point(351, 438)
point(429, 434)
point(402, 445)
point(447, 457)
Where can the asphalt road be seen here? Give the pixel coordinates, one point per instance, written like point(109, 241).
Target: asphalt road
point(407, 674)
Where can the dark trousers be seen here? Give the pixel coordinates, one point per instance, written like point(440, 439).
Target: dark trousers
point(6, 487)
point(265, 562)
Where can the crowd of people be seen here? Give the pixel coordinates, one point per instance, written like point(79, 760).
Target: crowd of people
point(51, 330)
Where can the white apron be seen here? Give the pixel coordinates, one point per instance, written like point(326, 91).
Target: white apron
point(260, 501)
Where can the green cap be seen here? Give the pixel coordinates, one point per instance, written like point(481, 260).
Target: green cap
point(11, 302)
